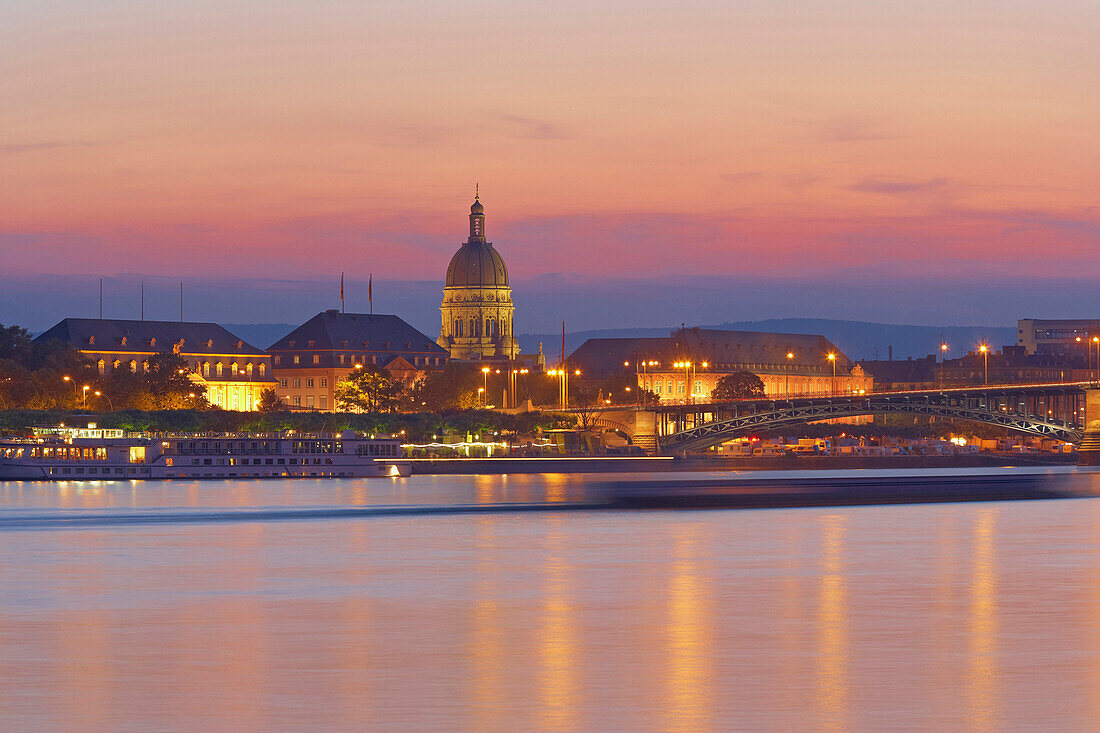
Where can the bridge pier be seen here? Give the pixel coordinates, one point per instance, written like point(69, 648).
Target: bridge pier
point(1088, 452)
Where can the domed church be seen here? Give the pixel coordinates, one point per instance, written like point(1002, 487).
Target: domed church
point(477, 302)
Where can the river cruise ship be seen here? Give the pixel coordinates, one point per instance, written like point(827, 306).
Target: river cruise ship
point(78, 454)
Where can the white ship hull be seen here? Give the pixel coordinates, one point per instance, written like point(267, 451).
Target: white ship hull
point(217, 457)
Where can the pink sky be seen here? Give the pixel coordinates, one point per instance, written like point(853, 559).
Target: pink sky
point(632, 138)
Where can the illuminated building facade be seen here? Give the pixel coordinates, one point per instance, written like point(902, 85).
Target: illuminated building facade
point(686, 366)
point(477, 309)
point(1066, 337)
point(234, 373)
point(311, 360)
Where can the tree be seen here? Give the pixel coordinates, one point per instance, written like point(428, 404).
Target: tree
point(166, 385)
point(369, 389)
point(452, 387)
point(270, 402)
point(737, 386)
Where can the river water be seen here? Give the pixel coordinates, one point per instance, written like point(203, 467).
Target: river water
point(169, 606)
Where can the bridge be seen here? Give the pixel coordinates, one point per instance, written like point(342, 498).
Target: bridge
point(1059, 410)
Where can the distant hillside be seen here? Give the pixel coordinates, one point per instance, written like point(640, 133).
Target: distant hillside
point(857, 339)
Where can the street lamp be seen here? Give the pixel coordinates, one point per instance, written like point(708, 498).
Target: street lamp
point(109, 402)
point(85, 396)
point(1096, 340)
point(985, 354)
point(787, 380)
point(943, 357)
point(832, 358)
point(485, 379)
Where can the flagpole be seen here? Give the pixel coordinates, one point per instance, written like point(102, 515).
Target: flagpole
point(370, 292)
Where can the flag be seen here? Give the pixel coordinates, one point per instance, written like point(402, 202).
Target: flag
point(370, 292)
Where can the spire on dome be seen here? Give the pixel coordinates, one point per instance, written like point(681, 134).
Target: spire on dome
point(477, 219)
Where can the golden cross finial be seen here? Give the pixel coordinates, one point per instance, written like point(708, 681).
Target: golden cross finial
point(475, 192)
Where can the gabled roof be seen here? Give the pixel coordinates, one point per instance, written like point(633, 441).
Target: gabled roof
point(333, 330)
point(111, 334)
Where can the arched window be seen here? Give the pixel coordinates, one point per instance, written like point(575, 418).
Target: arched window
point(490, 327)
point(263, 369)
point(117, 364)
point(458, 327)
point(102, 366)
point(206, 369)
point(233, 369)
point(133, 366)
point(316, 358)
point(145, 365)
point(218, 369)
point(248, 369)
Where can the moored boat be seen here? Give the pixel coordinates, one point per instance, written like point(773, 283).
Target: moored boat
point(70, 454)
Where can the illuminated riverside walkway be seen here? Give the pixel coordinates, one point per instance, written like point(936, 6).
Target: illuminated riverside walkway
point(1058, 410)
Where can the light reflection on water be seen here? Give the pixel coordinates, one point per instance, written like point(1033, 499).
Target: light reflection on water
point(925, 617)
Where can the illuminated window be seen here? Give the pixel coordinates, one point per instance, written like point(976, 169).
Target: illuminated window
point(297, 382)
point(297, 359)
point(309, 401)
point(248, 369)
point(145, 365)
point(263, 369)
point(297, 401)
point(309, 382)
point(278, 360)
point(133, 366)
point(233, 369)
point(219, 369)
point(316, 358)
point(117, 364)
point(283, 383)
point(341, 357)
point(206, 369)
point(102, 365)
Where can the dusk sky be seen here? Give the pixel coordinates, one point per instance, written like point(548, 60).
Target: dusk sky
point(911, 162)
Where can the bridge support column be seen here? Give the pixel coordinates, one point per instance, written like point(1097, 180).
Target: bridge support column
point(1088, 452)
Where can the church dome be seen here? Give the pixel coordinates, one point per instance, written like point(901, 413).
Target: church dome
point(477, 264)
point(477, 208)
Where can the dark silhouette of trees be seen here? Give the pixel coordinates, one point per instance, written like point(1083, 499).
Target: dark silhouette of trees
point(738, 386)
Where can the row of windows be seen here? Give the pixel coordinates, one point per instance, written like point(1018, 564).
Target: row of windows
point(492, 328)
point(297, 381)
point(234, 369)
point(203, 368)
point(352, 359)
point(321, 402)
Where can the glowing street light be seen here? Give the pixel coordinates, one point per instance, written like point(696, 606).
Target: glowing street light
point(984, 349)
point(85, 395)
point(787, 385)
point(109, 402)
point(832, 358)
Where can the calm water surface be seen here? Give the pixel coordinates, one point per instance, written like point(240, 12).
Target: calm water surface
point(980, 616)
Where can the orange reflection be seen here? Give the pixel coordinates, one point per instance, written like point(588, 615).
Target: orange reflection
point(982, 680)
point(487, 634)
point(832, 624)
point(485, 489)
point(690, 675)
point(558, 688)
